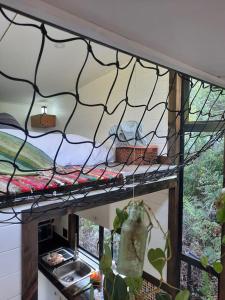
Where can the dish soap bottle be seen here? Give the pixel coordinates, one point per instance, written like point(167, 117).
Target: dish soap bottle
point(134, 234)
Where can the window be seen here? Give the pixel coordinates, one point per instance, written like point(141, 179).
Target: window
point(91, 238)
point(88, 236)
point(202, 183)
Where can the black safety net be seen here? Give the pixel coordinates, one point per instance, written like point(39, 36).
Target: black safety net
point(134, 137)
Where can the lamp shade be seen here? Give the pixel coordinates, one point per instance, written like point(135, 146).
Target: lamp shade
point(44, 110)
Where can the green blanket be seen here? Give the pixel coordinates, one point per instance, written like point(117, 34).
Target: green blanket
point(29, 161)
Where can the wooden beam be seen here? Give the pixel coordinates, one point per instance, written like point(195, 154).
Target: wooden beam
point(201, 126)
point(173, 265)
point(29, 260)
point(174, 107)
point(174, 206)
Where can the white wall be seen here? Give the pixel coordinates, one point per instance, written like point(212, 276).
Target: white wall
point(20, 109)
point(10, 261)
point(66, 19)
point(86, 119)
point(10, 253)
point(59, 224)
point(139, 92)
point(104, 216)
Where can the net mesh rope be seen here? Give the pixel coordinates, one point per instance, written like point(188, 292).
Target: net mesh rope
point(210, 110)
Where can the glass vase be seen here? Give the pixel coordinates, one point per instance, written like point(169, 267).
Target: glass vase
point(133, 242)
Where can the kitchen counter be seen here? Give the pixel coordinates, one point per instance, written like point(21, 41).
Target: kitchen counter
point(71, 292)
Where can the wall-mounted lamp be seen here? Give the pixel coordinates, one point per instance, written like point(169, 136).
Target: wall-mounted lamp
point(43, 120)
point(44, 109)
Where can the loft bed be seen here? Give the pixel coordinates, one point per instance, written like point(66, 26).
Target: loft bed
point(20, 188)
point(27, 187)
point(20, 183)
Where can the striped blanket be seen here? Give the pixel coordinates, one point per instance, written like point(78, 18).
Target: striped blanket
point(45, 180)
point(28, 161)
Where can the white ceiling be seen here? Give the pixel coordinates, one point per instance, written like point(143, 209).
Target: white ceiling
point(192, 31)
point(188, 36)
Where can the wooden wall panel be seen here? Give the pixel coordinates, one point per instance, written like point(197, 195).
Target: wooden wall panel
point(30, 261)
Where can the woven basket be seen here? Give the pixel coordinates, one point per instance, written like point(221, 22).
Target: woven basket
point(137, 155)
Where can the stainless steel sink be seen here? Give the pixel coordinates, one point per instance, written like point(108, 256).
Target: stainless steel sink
point(72, 272)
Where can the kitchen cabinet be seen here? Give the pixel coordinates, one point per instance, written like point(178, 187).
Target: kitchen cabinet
point(46, 290)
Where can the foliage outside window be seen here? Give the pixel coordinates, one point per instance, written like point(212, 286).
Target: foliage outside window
point(204, 98)
point(203, 181)
point(89, 236)
point(205, 288)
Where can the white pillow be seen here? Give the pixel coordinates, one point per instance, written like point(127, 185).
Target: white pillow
point(69, 154)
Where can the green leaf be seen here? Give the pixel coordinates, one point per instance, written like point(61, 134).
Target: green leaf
point(162, 296)
point(109, 283)
point(106, 260)
point(218, 267)
point(204, 261)
point(120, 289)
point(183, 295)
point(121, 216)
point(220, 215)
point(134, 284)
point(157, 259)
point(91, 293)
point(116, 224)
point(223, 240)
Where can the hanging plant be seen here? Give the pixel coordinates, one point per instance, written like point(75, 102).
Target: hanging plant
point(133, 239)
point(126, 282)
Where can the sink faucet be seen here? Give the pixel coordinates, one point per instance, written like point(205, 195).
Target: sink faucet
point(75, 256)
